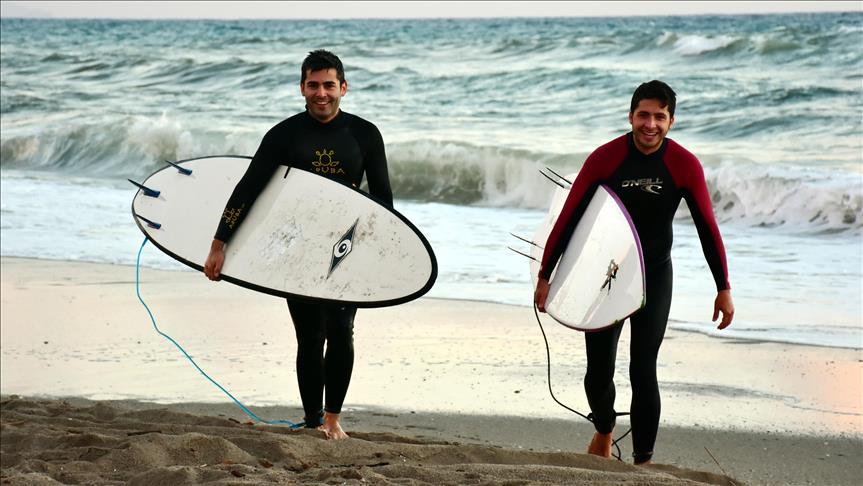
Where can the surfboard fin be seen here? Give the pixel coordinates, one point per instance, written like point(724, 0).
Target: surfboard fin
point(527, 241)
point(524, 254)
point(151, 224)
point(552, 180)
point(558, 175)
point(147, 190)
point(182, 170)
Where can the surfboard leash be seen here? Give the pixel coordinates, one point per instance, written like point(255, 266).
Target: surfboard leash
point(248, 412)
point(588, 417)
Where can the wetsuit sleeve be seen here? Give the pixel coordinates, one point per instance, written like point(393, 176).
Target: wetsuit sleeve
point(698, 199)
point(260, 171)
point(583, 187)
point(375, 165)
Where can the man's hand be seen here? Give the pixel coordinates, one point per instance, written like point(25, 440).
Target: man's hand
point(724, 304)
point(541, 294)
point(215, 260)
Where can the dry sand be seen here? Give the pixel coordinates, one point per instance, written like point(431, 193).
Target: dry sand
point(51, 442)
point(444, 392)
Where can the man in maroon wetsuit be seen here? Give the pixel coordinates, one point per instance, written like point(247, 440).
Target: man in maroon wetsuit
point(650, 174)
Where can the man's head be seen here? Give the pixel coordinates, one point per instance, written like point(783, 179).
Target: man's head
point(651, 114)
point(322, 84)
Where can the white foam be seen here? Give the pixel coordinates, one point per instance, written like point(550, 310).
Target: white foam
point(695, 45)
point(770, 196)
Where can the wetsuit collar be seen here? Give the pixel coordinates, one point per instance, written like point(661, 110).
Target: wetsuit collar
point(338, 120)
point(634, 150)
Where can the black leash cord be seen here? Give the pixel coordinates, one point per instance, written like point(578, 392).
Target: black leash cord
point(588, 417)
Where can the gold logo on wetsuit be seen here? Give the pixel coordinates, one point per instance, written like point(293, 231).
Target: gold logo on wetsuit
point(325, 163)
point(232, 215)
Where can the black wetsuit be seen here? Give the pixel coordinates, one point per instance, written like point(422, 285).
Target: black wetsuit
point(650, 187)
point(344, 149)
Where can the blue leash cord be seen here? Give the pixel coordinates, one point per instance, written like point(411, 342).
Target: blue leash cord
point(169, 338)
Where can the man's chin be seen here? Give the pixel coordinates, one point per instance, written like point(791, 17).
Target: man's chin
point(648, 147)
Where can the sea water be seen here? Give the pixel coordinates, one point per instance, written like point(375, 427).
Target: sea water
point(470, 110)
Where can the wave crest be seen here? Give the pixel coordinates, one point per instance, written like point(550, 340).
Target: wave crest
point(449, 172)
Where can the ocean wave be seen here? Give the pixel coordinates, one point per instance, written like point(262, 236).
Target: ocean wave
point(514, 46)
point(698, 45)
point(776, 42)
point(798, 93)
point(26, 101)
point(460, 173)
point(770, 197)
point(59, 57)
point(188, 71)
point(741, 192)
point(451, 172)
point(139, 71)
point(129, 147)
point(764, 44)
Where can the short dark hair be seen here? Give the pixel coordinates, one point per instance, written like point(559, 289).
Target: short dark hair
point(654, 90)
point(320, 60)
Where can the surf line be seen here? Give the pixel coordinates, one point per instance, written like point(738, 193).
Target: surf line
point(588, 417)
point(248, 412)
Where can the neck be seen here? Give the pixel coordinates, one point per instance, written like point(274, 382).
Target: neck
point(642, 149)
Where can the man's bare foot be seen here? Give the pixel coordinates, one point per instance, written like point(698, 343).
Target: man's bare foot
point(645, 463)
point(331, 427)
point(600, 445)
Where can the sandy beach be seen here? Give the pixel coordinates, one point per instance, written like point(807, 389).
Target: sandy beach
point(444, 392)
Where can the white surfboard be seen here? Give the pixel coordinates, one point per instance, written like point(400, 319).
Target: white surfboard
point(599, 280)
point(305, 237)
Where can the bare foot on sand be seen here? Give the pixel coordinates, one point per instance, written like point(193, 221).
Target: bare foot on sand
point(331, 427)
point(600, 445)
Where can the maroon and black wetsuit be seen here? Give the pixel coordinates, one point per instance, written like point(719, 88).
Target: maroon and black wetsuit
point(650, 187)
point(345, 149)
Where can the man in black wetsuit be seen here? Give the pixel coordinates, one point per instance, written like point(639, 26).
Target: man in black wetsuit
point(325, 140)
point(650, 174)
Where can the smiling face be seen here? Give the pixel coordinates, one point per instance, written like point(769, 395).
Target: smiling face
point(323, 91)
point(650, 123)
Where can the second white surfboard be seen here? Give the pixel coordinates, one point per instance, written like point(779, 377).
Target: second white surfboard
point(599, 280)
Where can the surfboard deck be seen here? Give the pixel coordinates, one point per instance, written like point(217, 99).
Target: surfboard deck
point(306, 236)
point(599, 280)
